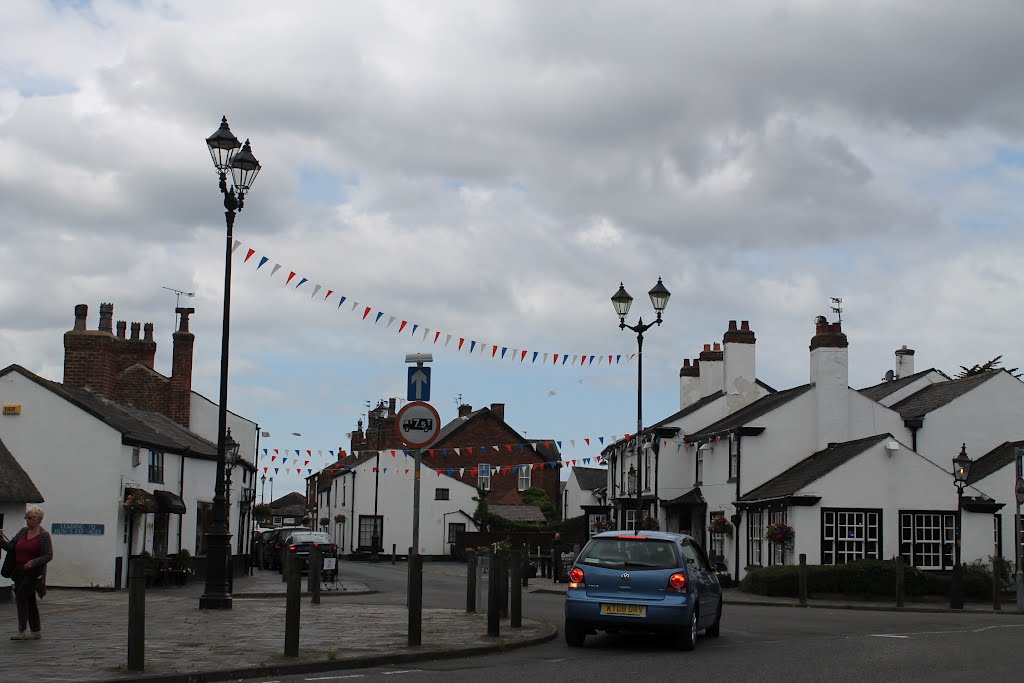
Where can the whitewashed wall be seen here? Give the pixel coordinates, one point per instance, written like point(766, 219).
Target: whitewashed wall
point(355, 496)
point(13, 520)
point(574, 498)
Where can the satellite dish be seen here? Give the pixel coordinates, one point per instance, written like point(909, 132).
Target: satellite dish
point(889, 375)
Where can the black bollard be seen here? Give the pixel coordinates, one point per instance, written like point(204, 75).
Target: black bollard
point(525, 566)
point(136, 615)
point(803, 579)
point(394, 553)
point(315, 566)
point(494, 598)
point(470, 581)
point(504, 563)
point(997, 604)
point(900, 585)
point(516, 569)
point(415, 599)
point(292, 607)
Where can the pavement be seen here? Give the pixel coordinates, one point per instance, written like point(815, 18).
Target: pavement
point(85, 635)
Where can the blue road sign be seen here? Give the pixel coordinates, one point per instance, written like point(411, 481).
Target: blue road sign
point(419, 384)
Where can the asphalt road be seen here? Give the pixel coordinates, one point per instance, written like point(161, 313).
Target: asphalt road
point(757, 644)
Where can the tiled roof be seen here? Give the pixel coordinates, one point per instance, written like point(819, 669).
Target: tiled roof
point(293, 498)
point(138, 427)
point(993, 461)
point(590, 478)
point(935, 396)
point(880, 391)
point(15, 484)
point(811, 469)
point(763, 405)
point(692, 408)
point(547, 449)
point(518, 513)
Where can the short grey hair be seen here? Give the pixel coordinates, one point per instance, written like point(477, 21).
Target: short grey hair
point(35, 511)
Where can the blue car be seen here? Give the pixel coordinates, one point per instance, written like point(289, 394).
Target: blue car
point(644, 581)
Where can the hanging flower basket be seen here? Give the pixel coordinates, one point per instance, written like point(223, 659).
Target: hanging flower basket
point(720, 525)
point(340, 518)
point(780, 534)
point(138, 504)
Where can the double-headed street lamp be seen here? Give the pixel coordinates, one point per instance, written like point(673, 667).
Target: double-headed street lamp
point(961, 470)
point(381, 415)
point(229, 156)
point(622, 301)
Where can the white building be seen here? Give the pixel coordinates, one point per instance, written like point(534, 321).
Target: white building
point(584, 494)
point(17, 491)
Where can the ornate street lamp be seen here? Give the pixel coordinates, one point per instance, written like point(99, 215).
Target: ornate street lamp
point(381, 415)
point(622, 301)
point(631, 481)
point(961, 471)
point(228, 157)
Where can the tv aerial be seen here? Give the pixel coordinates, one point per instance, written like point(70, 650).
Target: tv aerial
point(178, 293)
point(837, 307)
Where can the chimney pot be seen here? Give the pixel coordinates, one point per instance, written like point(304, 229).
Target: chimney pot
point(121, 325)
point(81, 313)
point(745, 325)
point(136, 328)
point(147, 332)
point(707, 347)
point(465, 409)
point(184, 313)
point(732, 325)
point(717, 347)
point(391, 407)
point(686, 362)
point(106, 318)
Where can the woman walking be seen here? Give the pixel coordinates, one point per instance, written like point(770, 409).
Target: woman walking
point(32, 550)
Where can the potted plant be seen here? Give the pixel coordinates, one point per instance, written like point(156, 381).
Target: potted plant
point(720, 525)
point(649, 523)
point(138, 504)
point(780, 534)
point(181, 564)
point(340, 518)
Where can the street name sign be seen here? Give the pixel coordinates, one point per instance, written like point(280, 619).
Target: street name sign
point(418, 424)
point(418, 388)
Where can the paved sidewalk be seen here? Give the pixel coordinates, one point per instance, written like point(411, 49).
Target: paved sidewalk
point(85, 635)
point(734, 596)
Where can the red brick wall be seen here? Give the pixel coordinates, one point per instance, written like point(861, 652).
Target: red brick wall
point(142, 388)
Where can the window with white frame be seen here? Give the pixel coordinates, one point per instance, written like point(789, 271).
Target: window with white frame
point(524, 477)
point(344, 486)
point(700, 467)
point(483, 477)
point(596, 520)
point(850, 535)
point(734, 456)
point(926, 539)
point(647, 469)
point(755, 537)
point(630, 518)
point(997, 531)
point(777, 554)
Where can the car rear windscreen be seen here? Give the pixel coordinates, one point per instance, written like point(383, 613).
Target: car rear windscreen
point(636, 553)
point(309, 538)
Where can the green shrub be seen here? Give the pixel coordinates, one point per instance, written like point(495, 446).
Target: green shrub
point(867, 578)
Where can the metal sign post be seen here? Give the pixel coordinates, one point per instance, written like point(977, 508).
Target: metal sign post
point(1018, 532)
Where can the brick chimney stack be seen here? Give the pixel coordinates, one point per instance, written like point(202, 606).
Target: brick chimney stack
point(689, 383)
point(499, 410)
point(740, 379)
point(711, 366)
point(88, 354)
point(180, 397)
point(465, 409)
point(106, 318)
point(830, 375)
point(121, 326)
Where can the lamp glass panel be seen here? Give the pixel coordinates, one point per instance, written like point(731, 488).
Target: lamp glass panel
point(659, 296)
point(622, 301)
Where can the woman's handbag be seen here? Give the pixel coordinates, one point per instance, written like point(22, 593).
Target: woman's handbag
point(7, 570)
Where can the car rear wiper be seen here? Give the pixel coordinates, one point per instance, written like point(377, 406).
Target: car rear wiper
point(641, 564)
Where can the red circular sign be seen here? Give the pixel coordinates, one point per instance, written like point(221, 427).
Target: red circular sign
point(418, 424)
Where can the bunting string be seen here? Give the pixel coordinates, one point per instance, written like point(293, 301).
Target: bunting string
point(433, 335)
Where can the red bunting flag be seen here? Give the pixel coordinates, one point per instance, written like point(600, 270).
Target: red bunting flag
point(265, 470)
point(306, 463)
point(469, 449)
point(373, 469)
point(437, 335)
point(407, 470)
point(555, 361)
point(249, 255)
point(392, 454)
point(587, 439)
point(275, 450)
point(366, 312)
point(329, 292)
point(402, 327)
point(508, 447)
point(290, 277)
point(522, 356)
point(273, 458)
point(309, 453)
point(462, 340)
point(298, 470)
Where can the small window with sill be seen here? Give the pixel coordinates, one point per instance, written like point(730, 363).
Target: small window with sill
point(483, 478)
point(156, 467)
point(734, 456)
point(441, 494)
point(136, 456)
point(524, 481)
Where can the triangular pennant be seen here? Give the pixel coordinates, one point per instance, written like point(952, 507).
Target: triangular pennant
point(402, 327)
point(503, 350)
point(472, 344)
point(554, 361)
point(316, 289)
point(462, 471)
point(291, 275)
point(366, 312)
point(301, 282)
point(355, 305)
point(447, 339)
point(277, 267)
point(341, 300)
point(461, 342)
point(273, 458)
point(379, 314)
point(587, 439)
point(391, 321)
point(235, 246)
point(328, 294)
point(535, 353)
point(275, 470)
point(263, 259)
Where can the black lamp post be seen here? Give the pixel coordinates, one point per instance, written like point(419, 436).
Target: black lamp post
point(263, 488)
point(622, 301)
point(224, 150)
point(381, 413)
point(961, 470)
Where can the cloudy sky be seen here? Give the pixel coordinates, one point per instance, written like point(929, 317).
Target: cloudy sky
point(493, 170)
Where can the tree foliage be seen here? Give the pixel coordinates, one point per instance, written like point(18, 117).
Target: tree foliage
point(539, 497)
point(980, 368)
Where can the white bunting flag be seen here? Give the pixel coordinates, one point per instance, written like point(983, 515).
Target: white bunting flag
point(277, 267)
point(315, 290)
point(391, 321)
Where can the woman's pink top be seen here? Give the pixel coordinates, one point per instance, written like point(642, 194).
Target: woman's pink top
point(25, 550)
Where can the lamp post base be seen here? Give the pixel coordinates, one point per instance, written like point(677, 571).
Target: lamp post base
point(215, 601)
point(218, 567)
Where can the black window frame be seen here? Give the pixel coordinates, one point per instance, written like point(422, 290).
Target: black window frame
point(363, 519)
point(442, 494)
point(156, 467)
point(947, 550)
point(879, 541)
point(454, 528)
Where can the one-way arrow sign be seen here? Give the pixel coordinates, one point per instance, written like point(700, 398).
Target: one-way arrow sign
point(419, 384)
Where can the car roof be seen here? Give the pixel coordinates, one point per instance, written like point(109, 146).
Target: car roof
point(653, 535)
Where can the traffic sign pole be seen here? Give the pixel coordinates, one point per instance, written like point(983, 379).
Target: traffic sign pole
point(1018, 530)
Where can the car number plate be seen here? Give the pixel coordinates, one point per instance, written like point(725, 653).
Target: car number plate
point(624, 610)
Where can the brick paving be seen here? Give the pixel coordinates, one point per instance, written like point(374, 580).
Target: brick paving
point(85, 635)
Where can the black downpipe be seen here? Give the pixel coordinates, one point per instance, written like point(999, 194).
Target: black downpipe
point(739, 469)
point(352, 517)
point(181, 494)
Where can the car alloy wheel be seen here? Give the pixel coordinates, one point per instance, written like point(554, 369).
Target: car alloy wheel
point(688, 635)
point(575, 634)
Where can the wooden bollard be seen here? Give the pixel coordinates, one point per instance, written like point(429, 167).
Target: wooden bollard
point(901, 586)
point(470, 581)
point(293, 605)
point(803, 579)
point(136, 614)
point(515, 569)
point(315, 566)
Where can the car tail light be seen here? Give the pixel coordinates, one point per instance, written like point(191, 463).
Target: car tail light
point(291, 549)
point(677, 583)
point(576, 578)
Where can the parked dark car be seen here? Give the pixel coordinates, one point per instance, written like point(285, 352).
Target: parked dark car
point(644, 581)
point(276, 541)
point(301, 543)
point(261, 539)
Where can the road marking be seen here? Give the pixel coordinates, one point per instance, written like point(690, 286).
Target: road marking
point(941, 633)
point(334, 678)
point(887, 635)
point(403, 671)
